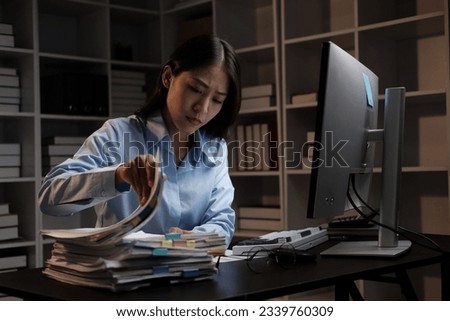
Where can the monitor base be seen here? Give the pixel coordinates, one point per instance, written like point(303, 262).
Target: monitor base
point(366, 248)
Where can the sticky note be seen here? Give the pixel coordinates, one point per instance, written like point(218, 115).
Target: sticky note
point(369, 94)
point(160, 252)
point(160, 269)
point(190, 244)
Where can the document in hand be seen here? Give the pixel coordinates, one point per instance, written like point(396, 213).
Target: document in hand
point(134, 222)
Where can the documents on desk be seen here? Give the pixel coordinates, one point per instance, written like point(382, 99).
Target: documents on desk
point(129, 264)
point(121, 258)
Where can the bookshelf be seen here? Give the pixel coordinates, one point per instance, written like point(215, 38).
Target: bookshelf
point(406, 42)
point(254, 33)
point(56, 39)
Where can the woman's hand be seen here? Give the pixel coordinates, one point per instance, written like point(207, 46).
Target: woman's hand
point(140, 174)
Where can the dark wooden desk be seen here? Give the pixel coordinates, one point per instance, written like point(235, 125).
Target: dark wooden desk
point(236, 282)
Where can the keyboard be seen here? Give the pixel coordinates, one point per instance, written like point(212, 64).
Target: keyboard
point(300, 239)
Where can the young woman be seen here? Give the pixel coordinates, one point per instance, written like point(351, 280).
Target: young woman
point(196, 100)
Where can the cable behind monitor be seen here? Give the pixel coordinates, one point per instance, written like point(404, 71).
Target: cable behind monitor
point(374, 213)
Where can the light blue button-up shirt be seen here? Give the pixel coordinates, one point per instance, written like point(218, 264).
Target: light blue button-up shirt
point(197, 194)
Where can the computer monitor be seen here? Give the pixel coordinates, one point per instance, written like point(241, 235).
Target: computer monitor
point(345, 136)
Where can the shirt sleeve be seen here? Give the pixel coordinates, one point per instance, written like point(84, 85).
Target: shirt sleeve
point(84, 180)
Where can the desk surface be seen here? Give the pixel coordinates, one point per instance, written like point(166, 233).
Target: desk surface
point(234, 280)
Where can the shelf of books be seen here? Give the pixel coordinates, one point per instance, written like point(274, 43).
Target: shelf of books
point(256, 137)
point(17, 146)
point(406, 44)
point(9, 223)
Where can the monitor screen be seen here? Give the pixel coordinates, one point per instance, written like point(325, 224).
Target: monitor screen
point(347, 109)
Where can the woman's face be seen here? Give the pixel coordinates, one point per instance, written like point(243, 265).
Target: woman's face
point(194, 98)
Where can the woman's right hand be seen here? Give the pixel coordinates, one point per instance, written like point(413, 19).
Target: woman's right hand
point(140, 174)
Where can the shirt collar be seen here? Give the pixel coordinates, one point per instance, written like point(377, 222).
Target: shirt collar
point(157, 132)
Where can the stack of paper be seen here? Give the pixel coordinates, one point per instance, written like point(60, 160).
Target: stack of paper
point(124, 266)
point(117, 258)
point(6, 35)
point(211, 242)
point(10, 93)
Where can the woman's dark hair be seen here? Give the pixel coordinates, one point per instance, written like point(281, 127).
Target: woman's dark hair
point(198, 52)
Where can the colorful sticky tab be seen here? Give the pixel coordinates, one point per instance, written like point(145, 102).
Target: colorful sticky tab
point(167, 243)
point(160, 252)
point(190, 244)
point(369, 93)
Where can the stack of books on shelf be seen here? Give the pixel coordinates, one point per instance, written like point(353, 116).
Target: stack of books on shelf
point(127, 91)
point(9, 90)
point(9, 224)
point(259, 97)
point(6, 35)
point(10, 160)
point(308, 99)
point(258, 147)
point(56, 149)
point(261, 218)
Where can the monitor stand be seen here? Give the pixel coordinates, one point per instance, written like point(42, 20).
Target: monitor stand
point(388, 244)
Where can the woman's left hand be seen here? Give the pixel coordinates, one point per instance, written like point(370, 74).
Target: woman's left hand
point(140, 174)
